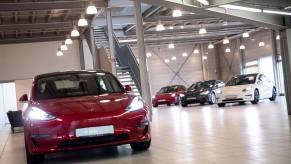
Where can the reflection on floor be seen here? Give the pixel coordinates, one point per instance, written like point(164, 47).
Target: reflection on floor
point(247, 134)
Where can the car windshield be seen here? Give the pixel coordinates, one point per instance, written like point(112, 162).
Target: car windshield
point(76, 84)
point(242, 80)
point(168, 89)
point(201, 85)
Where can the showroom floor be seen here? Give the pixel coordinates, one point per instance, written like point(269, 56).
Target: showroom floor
point(248, 134)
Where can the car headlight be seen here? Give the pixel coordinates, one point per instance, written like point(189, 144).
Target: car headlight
point(38, 114)
point(247, 89)
point(182, 95)
point(173, 95)
point(153, 97)
point(219, 91)
point(136, 104)
point(204, 93)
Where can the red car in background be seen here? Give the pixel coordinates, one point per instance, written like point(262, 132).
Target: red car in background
point(82, 109)
point(168, 95)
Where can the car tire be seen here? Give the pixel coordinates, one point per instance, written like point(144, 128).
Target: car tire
point(212, 98)
point(141, 146)
point(169, 104)
point(184, 104)
point(202, 102)
point(155, 105)
point(274, 95)
point(221, 104)
point(256, 97)
point(242, 103)
point(33, 159)
point(177, 100)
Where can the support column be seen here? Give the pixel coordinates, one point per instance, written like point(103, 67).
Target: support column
point(144, 77)
point(201, 52)
point(286, 61)
point(96, 60)
point(81, 51)
point(111, 39)
point(275, 59)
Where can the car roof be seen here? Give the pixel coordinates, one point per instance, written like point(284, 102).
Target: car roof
point(69, 72)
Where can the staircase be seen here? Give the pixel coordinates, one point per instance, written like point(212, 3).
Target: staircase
point(124, 74)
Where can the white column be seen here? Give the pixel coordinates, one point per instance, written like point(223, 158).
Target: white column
point(111, 39)
point(144, 77)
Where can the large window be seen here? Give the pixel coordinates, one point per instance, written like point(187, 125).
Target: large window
point(251, 67)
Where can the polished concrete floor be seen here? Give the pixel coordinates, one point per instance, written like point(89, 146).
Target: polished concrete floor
point(246, 134)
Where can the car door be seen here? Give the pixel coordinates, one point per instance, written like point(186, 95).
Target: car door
point(264, 87)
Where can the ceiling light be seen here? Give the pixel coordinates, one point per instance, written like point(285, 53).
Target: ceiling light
point(182, 27)
point(171, 27)
point(171, 46)
point(68, 40)
point(91, 10)
point(149, 54)
point(226, 41)
point(160, 27)
point(174, 58)
point(234, 7)
point(224, 23)
point(167, 60)
point(287, 8)
point(184, 54)
point(227, 50)
point(196, 51)
point(202, 31)
point(75, 32)
point(204, 57)
point(261, 44)
point(64, 47)
point(278, 37)
point(59, 52)
point(177, 13)
point(204, 2)
point(277, 12)
point(246, 35)
point(82, 21)
point(210, 46)
point(242, 47)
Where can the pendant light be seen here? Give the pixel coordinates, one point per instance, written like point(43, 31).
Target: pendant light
point(59, 52)
point(75, 32)
point(82, 21)
point(68, 40)
point(210, 46)
point(91, 9)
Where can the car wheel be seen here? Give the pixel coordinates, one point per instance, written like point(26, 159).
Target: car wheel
point(242, 103)
point(184, 104)
point(141, 146)
point(274, 94)
point(177, 100)
point(212, 98)
point(33, 159)
point(169, 104)
point(202, 102)
point(221, 104)
point(155, 105)
point(256, 97)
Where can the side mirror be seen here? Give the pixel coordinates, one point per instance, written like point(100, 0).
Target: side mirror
point(128, 88)
point(23, 98)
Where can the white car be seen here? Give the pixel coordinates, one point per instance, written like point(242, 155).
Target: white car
point(251, 87)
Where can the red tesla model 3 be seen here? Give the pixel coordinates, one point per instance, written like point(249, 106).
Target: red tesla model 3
point(168, 95)
point(82, 109)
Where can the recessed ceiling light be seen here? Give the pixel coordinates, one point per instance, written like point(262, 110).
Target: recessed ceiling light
point(226, 41)
point(261, 44)
point(174, 58)
point(184, 54)
point(160, 27)
point(149, 54)
point(171, 46)
point(167, 60)
point(182, 27)
point(171, 27)
point(177, 13)
point(196, 51)
point(210, 46)
point(246, 35)
point(204, 57)
point(278, 37)
point(227, 50)
point(202, 31)
point(242, 47)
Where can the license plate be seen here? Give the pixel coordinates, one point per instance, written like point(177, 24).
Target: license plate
point(191, 98)
point(231, 96)
point(95, 131)
point(161, 100)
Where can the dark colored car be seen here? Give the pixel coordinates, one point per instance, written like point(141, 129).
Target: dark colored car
point(201, 92)
point(79, 110)
point(168, 95)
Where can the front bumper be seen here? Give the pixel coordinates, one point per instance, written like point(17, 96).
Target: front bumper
point(161, 101)
point(238, 97)
point(59, 135)
point(193, 99)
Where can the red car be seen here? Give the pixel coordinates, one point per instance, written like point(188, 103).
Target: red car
point(82, 109)
point(168, 95)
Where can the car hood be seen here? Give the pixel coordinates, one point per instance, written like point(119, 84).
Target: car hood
point(234, 89)
point(107, 103)
point(195, 91)
point(163, 95)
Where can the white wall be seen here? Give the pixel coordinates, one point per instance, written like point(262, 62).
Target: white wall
point(24, 61)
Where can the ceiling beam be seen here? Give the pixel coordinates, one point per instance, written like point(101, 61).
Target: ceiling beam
point(53, 5)
point(257, 19)
point(213, 3)
point(32, 39)
point(9, 27)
